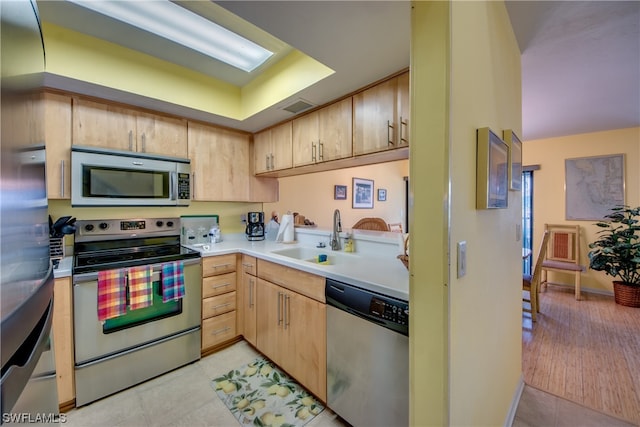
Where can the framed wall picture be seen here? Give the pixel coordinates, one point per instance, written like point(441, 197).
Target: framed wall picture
point(340, 192)
point(515, 159)
point(593, 185)
point(382, 195)
point(362, 193)
point(492, 176)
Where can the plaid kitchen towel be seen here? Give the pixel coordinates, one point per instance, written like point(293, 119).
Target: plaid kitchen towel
point(112, 294)
point(140, 287)
point(172, 280)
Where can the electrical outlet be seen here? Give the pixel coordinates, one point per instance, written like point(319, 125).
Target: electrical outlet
point(462, 258)
point(243, 217)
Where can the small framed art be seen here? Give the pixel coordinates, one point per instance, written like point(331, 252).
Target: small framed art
point(492, 164)
point(362, 193)
point(340, 192)
point(382, 195)
point(515, 159)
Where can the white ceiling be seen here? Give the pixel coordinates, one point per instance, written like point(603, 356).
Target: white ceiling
point(580, 60)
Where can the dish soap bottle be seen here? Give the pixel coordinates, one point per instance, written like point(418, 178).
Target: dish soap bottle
point(348, 244)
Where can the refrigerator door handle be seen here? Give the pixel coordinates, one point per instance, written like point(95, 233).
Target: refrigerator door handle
point(23, 362)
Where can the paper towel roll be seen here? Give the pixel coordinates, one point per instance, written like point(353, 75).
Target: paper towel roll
point(286, 231)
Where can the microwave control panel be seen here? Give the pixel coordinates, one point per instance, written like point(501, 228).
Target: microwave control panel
point(184, 186)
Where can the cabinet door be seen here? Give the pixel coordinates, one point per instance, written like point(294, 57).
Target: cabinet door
point(335, 127)
point(220, 163)
point(404, 110)
point(374, 112)
point(57, 122)
point(62, 328)
point(269, 323)
point(262, 151)
point(249, 309)
point(281, 146)
point(306, 133)
point(304, 355)
point(103, 125)
point(161, 135)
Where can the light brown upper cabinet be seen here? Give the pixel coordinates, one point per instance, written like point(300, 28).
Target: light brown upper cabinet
point(219, 164)
point(272, 148)
point(110, 126)
point(57, 126)
point(381, 116)
point(323, 135)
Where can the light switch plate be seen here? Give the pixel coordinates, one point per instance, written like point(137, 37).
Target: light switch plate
point(462, 258)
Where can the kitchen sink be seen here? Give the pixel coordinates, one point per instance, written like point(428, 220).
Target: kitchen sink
point(311, 255)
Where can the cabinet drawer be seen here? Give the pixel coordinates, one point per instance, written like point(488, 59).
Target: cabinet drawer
point(296, 280)
point(218, 305)
point(218, 329)
point(249, 264)
point(216, 285)
point(214, 265)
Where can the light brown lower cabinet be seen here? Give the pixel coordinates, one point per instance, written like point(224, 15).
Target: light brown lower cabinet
point(219, 301)
point(63, 341)
point(291, 331)
point(249, 299)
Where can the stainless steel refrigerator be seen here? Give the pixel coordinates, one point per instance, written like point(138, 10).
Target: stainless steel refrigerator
point(28, 380)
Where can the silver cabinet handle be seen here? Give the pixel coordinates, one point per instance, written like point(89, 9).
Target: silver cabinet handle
point(221, 305)
point(279, 308)
point(313, 152)
point(266, 162)
point(193, 184)
point(130, 140)
point(62, 178)
point(287, 307)
point(220, 286)
point(403, 124)
point(221, 266)
point(220, 331)
point(272, 162)
point(245, 264)
point(321, 150)
point(389, 133)
point(144, 143)
point(251, 284)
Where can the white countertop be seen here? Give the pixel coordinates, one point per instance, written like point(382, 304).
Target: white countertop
point(378, 272)
point(374, 266)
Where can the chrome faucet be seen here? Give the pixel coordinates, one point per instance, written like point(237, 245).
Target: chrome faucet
point(337, 228)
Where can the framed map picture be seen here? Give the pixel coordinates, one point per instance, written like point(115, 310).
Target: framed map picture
point(593, 185)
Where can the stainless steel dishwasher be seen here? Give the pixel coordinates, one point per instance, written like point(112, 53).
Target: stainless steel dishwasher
point(367, 356)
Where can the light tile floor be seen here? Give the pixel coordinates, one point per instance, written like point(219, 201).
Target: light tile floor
point(184, 397)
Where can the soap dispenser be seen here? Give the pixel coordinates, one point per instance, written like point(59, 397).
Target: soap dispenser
point(348, 244)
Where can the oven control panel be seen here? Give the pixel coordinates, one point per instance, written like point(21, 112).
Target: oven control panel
point(118, 228)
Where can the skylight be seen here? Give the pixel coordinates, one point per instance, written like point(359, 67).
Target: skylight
point(172, 22)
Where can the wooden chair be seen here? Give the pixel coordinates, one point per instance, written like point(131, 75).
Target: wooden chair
point(377, 224)
point(563, 253)
point(395, 227)
point(531, 283)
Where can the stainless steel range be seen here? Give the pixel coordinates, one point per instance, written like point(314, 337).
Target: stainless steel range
point(137, 344)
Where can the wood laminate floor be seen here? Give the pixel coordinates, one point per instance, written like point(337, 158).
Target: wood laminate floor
point(587, 352)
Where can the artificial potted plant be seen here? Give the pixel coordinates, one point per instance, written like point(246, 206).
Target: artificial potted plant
point(617, 253)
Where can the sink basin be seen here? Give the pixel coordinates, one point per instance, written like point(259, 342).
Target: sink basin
point(311, 255)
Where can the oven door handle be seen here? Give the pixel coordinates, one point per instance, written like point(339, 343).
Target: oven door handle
point(157, 268)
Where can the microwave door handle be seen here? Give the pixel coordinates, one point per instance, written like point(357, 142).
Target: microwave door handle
point(173, 185)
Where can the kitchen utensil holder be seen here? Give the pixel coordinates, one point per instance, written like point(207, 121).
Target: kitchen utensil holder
point(56, 247)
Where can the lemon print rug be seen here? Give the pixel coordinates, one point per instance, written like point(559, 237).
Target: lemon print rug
point(260, 394)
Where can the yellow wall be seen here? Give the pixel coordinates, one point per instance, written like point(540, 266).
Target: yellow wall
point(89, 59)
point(312, 195)
point(549, 195)
point(476, 84)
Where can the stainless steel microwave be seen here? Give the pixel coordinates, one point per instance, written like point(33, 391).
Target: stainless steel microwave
point(103, 177)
